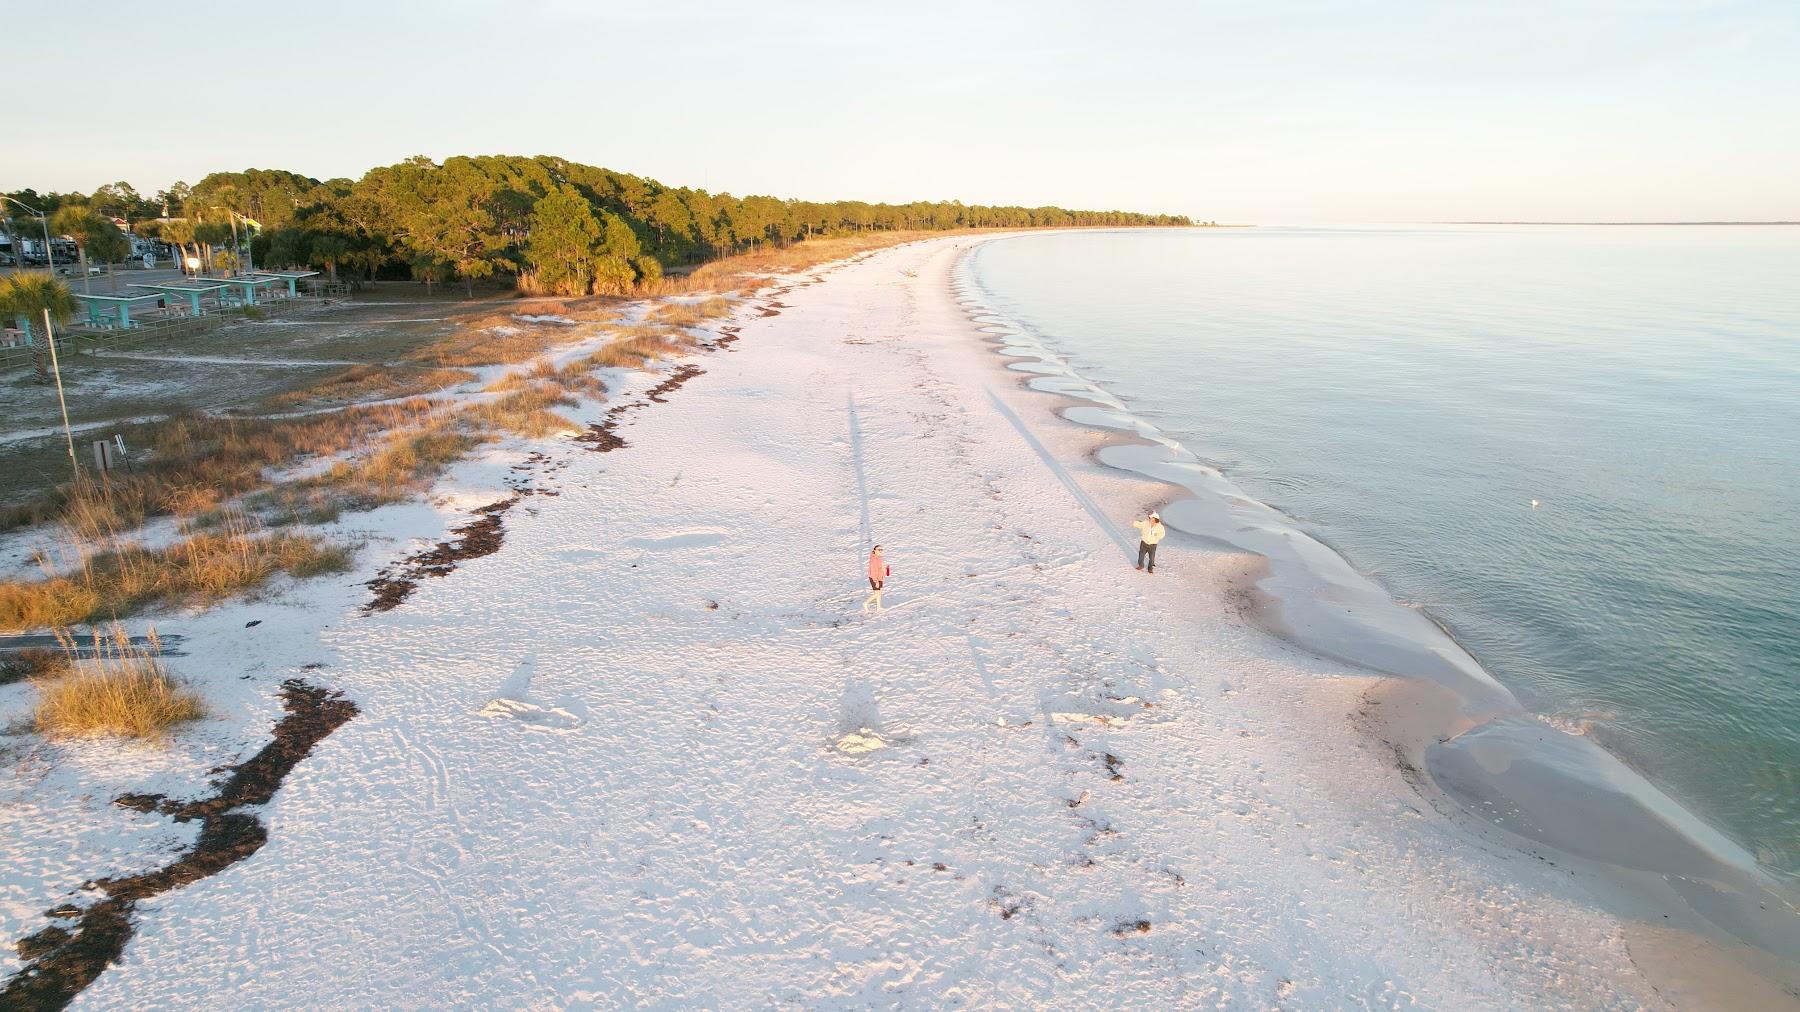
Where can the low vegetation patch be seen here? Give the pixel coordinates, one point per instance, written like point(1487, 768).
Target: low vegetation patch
point(135, 700)
point(575, 377)
point(527, 411)
point(403, 464)
point(199, 570)
point(123, 691)
point(374, 381)
point(522, 333)
point(687, 314)
point(635, 346)
point(196, 462)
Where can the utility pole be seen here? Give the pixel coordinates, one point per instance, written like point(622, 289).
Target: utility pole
point(56, 368)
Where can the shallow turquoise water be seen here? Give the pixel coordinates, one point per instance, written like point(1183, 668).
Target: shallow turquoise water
point(1406, 392)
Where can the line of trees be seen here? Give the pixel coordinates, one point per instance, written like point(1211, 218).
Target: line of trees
point(554, 225)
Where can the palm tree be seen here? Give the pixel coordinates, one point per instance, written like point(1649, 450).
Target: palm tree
point(26, 296)
point(178, 232)
point(108, 245)
point(79, 223)
point(209, 235)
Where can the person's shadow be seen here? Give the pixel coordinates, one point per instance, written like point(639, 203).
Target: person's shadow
point(858, 708)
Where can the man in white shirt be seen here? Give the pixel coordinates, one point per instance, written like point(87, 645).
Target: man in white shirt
point(1151, 532)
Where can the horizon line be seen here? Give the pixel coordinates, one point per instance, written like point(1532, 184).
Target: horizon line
point(1616, 223)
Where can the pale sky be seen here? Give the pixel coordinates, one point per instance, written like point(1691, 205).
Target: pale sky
point(1262, 111)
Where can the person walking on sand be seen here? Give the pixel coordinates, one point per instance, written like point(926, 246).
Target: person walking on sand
point(879, 571)
point(1151, 532)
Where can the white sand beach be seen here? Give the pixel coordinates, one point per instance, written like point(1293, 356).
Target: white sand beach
point(651, 751)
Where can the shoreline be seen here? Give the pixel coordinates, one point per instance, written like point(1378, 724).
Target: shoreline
point(1449, 694)
point(648, 749)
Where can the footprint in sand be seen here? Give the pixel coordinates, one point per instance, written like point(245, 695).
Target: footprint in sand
point(861, 741)
point(1104, 708)
point(532, 715)
point(514, 703)
point(864, 732)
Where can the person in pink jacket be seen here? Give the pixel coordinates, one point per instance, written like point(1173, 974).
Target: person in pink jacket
point(878, 574)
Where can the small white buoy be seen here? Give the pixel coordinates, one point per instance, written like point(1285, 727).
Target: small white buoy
point(1534, 504)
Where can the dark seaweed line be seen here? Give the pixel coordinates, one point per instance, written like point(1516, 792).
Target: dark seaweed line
point(60, 963)
point(480, 537)
point(603, 436)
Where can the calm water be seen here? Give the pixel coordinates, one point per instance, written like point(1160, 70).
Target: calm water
point(1406, 392)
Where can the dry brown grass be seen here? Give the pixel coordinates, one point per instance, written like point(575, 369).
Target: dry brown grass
point(196, 462)
point(632, 353)
point(403, 464)
point(687, 314)
point(124, 691)
point(574, 377)
point(199, 571)
point(506, 338)
point(373, 381)
point(541, 371)
point(527, 411)
point(581, 309)
point(473, 346)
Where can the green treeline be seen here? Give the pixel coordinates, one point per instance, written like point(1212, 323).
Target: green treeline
point(556, 226)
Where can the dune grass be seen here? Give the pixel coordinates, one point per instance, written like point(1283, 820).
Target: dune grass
point(687, 314)
point(196, 571)
point(508, 338)
point(527, 410)
point(401, 465)
point(632, 347)
point(196, 462)
point(122, 692)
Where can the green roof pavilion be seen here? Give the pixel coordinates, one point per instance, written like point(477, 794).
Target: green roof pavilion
point(100, 307)
point(193, 289)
